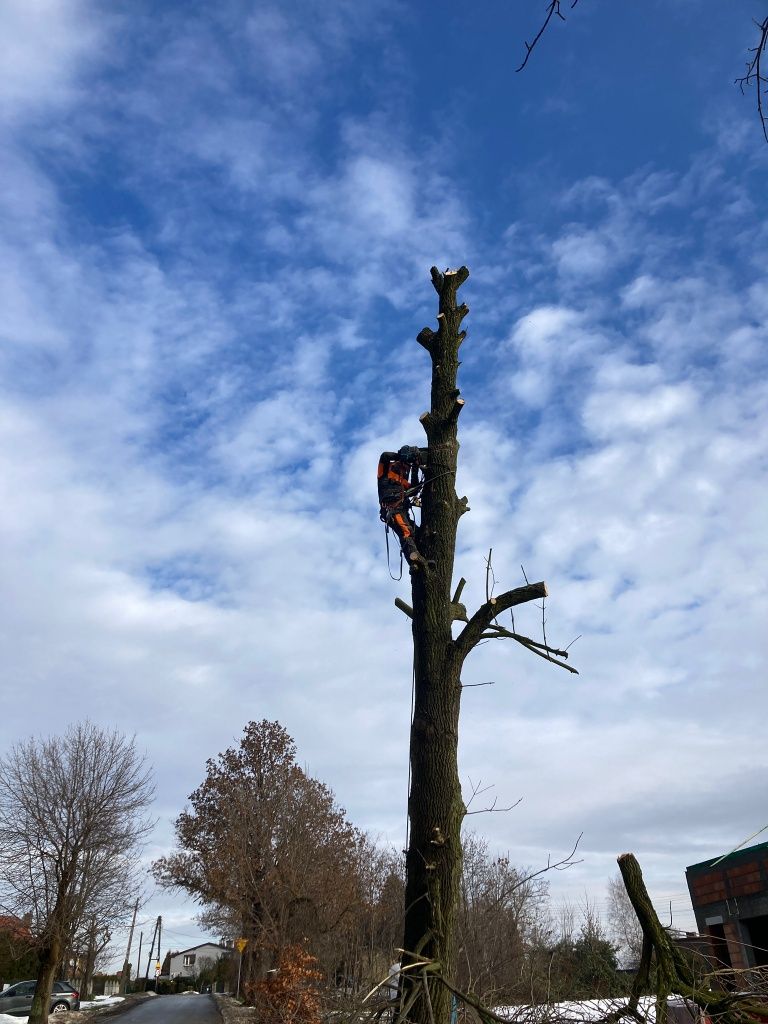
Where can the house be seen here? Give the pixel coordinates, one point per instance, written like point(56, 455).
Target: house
point(18, 953)
point(188, 963)
point(730, 901)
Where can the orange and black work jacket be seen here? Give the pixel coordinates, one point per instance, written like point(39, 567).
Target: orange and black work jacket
point(395, 477)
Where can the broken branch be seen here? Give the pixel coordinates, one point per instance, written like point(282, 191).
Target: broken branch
point(527, 640)
point(482, 618)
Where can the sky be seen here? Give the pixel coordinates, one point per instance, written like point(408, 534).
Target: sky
point(216, 229)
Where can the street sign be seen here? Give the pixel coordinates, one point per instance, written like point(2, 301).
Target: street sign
point(157, 969)
point(241, 944)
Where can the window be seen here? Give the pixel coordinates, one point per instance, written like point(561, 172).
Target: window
point(189, 959)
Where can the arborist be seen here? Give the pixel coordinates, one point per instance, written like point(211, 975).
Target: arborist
point(399, 486)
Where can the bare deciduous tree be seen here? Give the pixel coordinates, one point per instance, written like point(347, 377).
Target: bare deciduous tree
point(72, 823)
point(624, 925)
point(501, 912)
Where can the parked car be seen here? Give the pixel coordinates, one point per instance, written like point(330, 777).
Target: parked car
point(17, 999)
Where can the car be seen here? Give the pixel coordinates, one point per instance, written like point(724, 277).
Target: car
point(16, 1000)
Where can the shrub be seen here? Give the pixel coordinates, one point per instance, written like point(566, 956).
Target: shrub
point(289, 994)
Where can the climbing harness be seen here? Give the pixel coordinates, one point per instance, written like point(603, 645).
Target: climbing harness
point(411, 495)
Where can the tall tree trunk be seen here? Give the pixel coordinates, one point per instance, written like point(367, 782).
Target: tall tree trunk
point(435, 805)
point(50, 957)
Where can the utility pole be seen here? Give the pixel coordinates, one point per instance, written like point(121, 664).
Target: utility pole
point(151, 951)
point(138, 958)
point(127, 962)
point(159, 950)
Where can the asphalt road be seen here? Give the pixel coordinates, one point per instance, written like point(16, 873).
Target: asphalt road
point(173, 1010)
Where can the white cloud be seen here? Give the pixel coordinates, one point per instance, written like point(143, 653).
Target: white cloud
point(610, 412)
point(193, 397)
point(584, 254)
point(537, 332)
point(44, 48)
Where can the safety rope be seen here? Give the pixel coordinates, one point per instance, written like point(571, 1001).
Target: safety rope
point(427, 480)
point(389, 567)
point(410, 734)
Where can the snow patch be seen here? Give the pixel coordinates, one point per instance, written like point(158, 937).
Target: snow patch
point(88, 1004)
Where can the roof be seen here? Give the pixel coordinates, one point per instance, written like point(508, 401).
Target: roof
point(729, 859)
point(15, 925)
point(203, 945)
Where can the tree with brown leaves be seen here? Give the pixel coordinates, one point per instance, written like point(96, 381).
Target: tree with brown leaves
point(264, 847)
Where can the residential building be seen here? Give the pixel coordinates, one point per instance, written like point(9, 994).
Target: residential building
point(730, 901)
point(187, 963)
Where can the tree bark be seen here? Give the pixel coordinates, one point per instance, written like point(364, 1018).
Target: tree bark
point(50, 956)
point(435, 805)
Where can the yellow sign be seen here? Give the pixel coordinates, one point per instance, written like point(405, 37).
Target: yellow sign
point(241, 944)
point(157, 969)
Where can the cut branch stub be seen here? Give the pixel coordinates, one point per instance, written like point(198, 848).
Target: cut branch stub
point(461, 275)
point(458, 612)
point(458, 405)
point(426, 338)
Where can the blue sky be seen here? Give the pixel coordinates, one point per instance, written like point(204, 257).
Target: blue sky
point(216, 227)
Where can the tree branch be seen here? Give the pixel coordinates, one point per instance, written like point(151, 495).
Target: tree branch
point(503, 632)
point(474, 629)
point(754, 75)
point(553, 9)
point(542, 650)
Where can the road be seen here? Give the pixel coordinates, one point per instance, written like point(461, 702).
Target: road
point(173, 1010)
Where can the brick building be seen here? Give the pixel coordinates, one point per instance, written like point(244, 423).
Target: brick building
point(730, 901)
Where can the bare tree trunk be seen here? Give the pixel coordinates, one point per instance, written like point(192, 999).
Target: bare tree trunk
point(435, 805)
point(50, 956)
